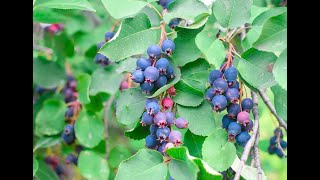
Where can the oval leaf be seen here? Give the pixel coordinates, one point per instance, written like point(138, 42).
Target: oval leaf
point(83, 84)
point(123, 8)
point(193, 143)
point(280, 70)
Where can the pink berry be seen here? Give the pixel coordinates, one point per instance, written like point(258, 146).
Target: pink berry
point(166, 103)
point(175, 137)
point(160, 119)
point(243, 118)
point(171, 91)
point(168, 146)
point(124, 85)
point(181, 123)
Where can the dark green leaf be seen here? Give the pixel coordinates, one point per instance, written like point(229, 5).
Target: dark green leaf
point(83, 84)
point(263, 60)
point(138, 132)
point(47, 15)
point(280, 70)
point(93, 166)
point(187, 95)
point(127, 65)
point(193, 143)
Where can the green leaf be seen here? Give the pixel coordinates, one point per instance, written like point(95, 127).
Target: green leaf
point(35, 166)
point(46, 141)
point(201, 119)
point(50, 119)
point(47, 74)
point(93, 166)
point(117, 155)
point(45, 172)
point(212, 48)
point(193, 143)
point(47, 15)
point(134, 38)
point(138, 132)
point(280, 70)
point(89, 129)
point(232, 13)
point(217, 151)
point(248, 172)
point(62, 4)
point(145, 163)
point(181, 167)
point(96, 102)
point(123, 8)
point(206, 172)
point(256, 11)
point(130, 106)
point(273, 37)
point(263, 60)
point(127, 65)
point(83, 84)
point(105, 80)
point(187, 95)
point(186, 49)
point(280, 101)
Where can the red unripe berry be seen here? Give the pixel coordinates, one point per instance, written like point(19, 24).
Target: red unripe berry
point(166, 103)
point(171, 91)
point(124, 85)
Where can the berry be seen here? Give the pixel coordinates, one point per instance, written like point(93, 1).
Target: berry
point(68, 139)
point(220, 86)
point(72, 159)
point(100, 58)
point(243, 138)
point(68, 130)
point(59, 170)
point(214, 74)
point(247, 104)
point(154, 52)
point(243, 118)
point(209, 94)
point(175, 137)
point(232, 95)
point(279, 153)
point(124, 85)
point(233, 110)
point(149, 100)
point(171, 91)
point(168, 145)
point(142, 63)
point(108, 36)
point(137, 76)
point(100, 45)
point(174, 22)
point(39, 90)
point(234, 84)
point(151, 142)
point(276, 131)
point(165, 3)
point(163, 133)
point(247, 128)
point(226, 121)
point(169, 117)
point(168, 46)
point(162, 147)
point(231, 74)
point(219, 103)
point(273, 140)
point(151, 74)
point(283, 144)
point(233, 130)
point(78, 149)
point(152, 108)
point(181, 123)
point(162, 65)
point(170, 72)
point(153, 129)
point(146, 87)
point(166, 103)
point(69, 113)
point(160, 119)
point(161, 81)
point(272, 149)
point(146, 119)
point(68, 93)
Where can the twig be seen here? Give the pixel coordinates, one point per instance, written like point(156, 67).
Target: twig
point(267, 101)
point(105, 118)
point(257, 155)
point(249, 144)
point(42, 48)
point(278, 143)
point(150, 5)
point(115, 24)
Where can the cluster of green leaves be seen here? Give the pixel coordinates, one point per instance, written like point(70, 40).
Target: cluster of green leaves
point(206, 151)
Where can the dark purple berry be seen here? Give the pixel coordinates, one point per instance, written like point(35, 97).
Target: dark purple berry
point(146, 87)
point(234, 84)
point(68, 93)
point(162, 147)
point(209, 94)
point(233, 130)
point(100, 45)
point(247, 104)
point(170, 72)
point(233, 110)
point(168, 46)
point(279, 153)
point(170, 118)
point(283, 144)
point(243, 138)
point(142, 63)
point(151, 142)
point(137, 76)
point(108, 36)
point(78, 149)
point(153, 129)
point(152, 108)
point(175, 137)
point(231, 74)
point(146, 119)
point(219, 103)
point(272, 149)
point(232, 95)
point(163, 133)
point(162, 65)
point(69, 113)
point(100, 58)
point(248, 128)
point(68, 139)
point(165, 3)
point(226, 121)
point(220, 86)
point(174, 22)
point(243, 118)
point(151, 74)
point(161, 81)
point(39, 90)
point(214, 74)
point(154, 52)
point(273, 140)
point(160, 119)
point(149, 100)
point(72, 159)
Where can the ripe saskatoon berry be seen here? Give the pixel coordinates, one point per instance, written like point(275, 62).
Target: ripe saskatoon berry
point(160, 119)
point(231, 74)
point(219, 103)
point(247, 128)
point(175, 137)
point(154, 52)
point(151, 74)
point(39, 90)
point(233, 110)
point(68, 93)
point(162, 65)
point(233, 130)
point(124, 85)
point(232, 95)
point(279, 153)
point(163, 133)
point(108, 36)
point(100, 58)
point(69, 113)
point(72, 159)
point(168, 46)
point(137, 76)
point(146, 87)
point(146, 119)
point(247, 104)
point(168, 145)
point(235, 84)
point(276, 131)
point(165, 3)
point(149, 100)
point(166, 103)
point(243, 138)
point(220, 86)
point(68, 129)
point(68, 134)
point(171, 91)
point(273, 140)
point(142, 63)
point(169, 117)
point(174, 22)
point(59, 170)
point(214, 74)
point(152, 108)
point(162, 147)
point(209, 94)
point(161, 81)
point(181, 123)
point(100, 45)
point(151, 142)
point(170, 72)
point(272, 149)
point(283, 144)
point(243, 118)
point(153, 129)
point(226, 121)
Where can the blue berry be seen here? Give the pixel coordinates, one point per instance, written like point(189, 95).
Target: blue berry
point(154, 52)
point(235, 84)
point(174, 22)
point(108, 36)
point(233, 130)
point(283, 144)
point(161, 81)
point(273, 140)
point(142, 63)
point(162, 147)
point(151, 74)
point(165, 3)
point(160, 119)
point(243, 138)
point(100, 45)
point(153, 129)
point(168, 46)
point(226, 121)
point(231, 74)
point(146, 87)
point(68, 129)
point(247, 104)
point(169, 117)
point(162, 65)
point(69, 113)
point(209, 94)
point(233, 110)
point(163, 133)
point(272, 149)
point(72, 159)
point(152, 108)
point(247, 128)
point(181, 123)
point(214, 74)
point(219, 103)
point(68, 139)
point(100, 58)
point(170, 72)
point(220, 86)
point(149, 100)
point(39, 90)
point(137, 76)
point(151, 142)
point(68, 93)
point(279, 153)
point(232, 95)
point(146, 119)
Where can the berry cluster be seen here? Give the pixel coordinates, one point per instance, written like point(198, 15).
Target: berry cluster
point(151, 73)
point(224, 93)
point(273, 146)
point(100, 58)
point(162, 136)
point(54, 28)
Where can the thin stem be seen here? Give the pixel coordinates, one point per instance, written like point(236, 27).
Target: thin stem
point(105, 118)
point(115, 24)
point(42, 49)
point(150, 5)
point(278, 143)
point(257, 155)
point(231, 34)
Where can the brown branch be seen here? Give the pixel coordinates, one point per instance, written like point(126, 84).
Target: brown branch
point(267, 101)
point(105, 118)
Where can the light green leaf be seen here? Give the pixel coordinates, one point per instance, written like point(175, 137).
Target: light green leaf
point(83, 84)
point(248, 172)
point(206, 172)
point(145, 163)
point(138, 132)
point(280, 70)
point(35, 166)
point(123, 8)
point(93, 166)
point(117, 155)
point(62, 4)
point(256, 11)
point(193, 143)
point(201, 119)
point(45, 172)
point(280, 101)
point(46, 141)
point(186, 95)
point(217, 151)
point(263, 60)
